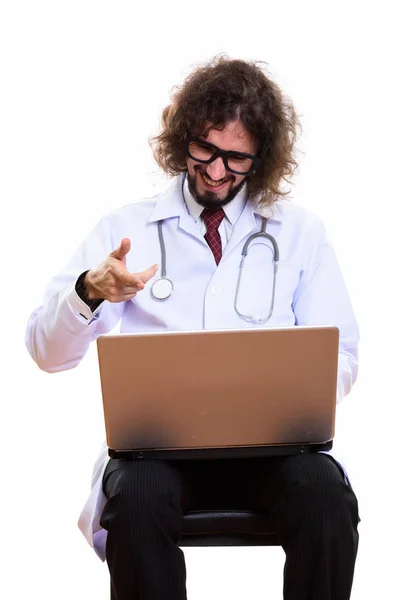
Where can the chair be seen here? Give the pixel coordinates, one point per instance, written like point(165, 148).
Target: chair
point(226, 528)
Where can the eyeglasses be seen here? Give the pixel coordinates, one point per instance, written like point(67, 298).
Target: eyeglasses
point(235, 162)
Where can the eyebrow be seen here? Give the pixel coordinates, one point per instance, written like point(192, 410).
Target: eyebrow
point(200, 138)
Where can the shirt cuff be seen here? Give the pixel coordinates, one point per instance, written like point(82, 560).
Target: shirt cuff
point(89, 309)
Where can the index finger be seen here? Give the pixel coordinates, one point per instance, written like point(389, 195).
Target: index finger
point(139, 279)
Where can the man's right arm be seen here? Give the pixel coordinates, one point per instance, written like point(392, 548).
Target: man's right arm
point(59, 332)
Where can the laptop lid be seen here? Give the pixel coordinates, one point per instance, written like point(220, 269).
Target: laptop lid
point(217, 393)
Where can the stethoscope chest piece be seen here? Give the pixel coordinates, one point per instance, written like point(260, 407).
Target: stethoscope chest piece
point(162, 288)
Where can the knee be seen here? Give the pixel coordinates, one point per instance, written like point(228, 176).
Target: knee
point(142, 497)
point(144, 487)
point(322, 490)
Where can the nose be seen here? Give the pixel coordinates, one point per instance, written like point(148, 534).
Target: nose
point(216, 169)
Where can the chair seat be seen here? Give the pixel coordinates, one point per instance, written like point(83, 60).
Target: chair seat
point(226, 528)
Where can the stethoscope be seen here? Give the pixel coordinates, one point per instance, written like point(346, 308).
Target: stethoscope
point(163, 287)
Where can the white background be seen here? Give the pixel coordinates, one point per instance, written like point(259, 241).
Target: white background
point(83, 84)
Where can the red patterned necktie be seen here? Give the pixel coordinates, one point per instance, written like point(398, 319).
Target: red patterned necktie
point(212, 220)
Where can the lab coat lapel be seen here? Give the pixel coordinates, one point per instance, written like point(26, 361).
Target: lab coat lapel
point(249, 222)
point(187, 224)
point(245, 225)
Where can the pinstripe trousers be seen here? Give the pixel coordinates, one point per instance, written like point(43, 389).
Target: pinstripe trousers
point(311, 507)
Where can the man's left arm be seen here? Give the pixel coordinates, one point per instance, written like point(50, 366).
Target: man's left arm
point(321, 298)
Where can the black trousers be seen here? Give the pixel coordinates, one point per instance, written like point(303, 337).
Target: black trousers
point(311, 507)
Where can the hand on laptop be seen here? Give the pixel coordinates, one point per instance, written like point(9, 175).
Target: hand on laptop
point(111, 280)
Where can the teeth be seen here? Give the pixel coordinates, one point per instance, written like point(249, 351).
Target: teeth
point(211, 182)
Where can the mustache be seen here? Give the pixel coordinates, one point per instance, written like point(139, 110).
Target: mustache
point(200, 169)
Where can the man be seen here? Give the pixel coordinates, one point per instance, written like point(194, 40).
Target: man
point(228, 141)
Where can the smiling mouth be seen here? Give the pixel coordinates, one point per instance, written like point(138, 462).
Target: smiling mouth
point(211, 182)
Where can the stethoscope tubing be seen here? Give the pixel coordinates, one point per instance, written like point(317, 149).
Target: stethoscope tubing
point(263, 234)
point(165, 285)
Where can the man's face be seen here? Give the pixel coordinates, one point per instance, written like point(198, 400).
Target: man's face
point(212, 185)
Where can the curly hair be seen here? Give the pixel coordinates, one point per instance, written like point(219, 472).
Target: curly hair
point(225, 90)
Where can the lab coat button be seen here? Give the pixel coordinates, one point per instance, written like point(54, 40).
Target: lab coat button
point(217, 291)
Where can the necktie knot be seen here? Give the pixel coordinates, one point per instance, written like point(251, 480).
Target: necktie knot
point(212, 220)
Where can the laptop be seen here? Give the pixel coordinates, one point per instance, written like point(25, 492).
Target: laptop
point(219, 394)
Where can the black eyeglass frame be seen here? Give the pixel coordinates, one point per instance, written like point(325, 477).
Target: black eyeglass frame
point(224, 154)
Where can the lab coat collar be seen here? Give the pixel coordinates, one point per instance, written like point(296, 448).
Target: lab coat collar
point(171, 203)
point(272, 213)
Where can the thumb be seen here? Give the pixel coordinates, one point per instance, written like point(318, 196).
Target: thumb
point(122, 250)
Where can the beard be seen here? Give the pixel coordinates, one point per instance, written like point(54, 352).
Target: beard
point(210, 199)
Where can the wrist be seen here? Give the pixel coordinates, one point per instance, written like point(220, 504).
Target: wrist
point(88, 287)
point(83, 289)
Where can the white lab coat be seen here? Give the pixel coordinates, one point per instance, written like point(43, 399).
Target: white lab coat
point(309, 291)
